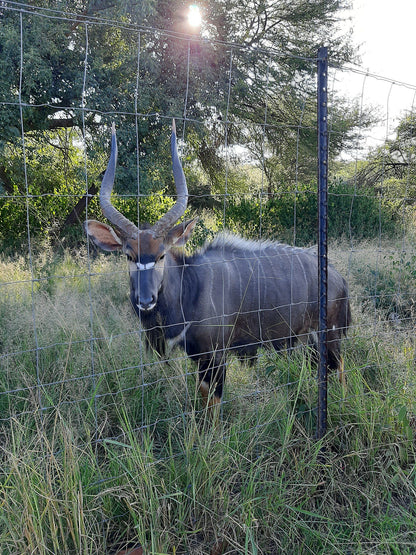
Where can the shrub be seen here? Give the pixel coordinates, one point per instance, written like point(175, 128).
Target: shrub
point(292, 216)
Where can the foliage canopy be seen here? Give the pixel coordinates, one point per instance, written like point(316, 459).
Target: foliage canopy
point(246, 79)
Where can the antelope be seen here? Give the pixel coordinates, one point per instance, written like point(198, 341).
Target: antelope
point(232, 295)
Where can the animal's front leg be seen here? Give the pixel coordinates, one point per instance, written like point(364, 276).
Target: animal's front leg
point(211, 380)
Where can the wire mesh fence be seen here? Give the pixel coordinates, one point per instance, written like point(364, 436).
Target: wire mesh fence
point(72, 348)
point(196, 83)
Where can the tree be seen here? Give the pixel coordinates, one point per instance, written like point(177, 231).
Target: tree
point(54, 173)
point(391, 168)
point(82, 71)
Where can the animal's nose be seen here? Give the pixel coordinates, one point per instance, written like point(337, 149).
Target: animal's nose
point(147, 303)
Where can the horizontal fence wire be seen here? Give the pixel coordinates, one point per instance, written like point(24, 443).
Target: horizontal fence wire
point(74, 349)
point(34, 281)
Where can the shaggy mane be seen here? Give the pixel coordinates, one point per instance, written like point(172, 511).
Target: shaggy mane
point(229, 241)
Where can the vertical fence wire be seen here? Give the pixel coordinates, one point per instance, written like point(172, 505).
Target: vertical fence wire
point(296, 192)
point(186, 361)
point(404, 245)
point(227, 124)
point(91, 314)
point(262, 195)
point(137, 130)
point(27, 200)
point(379, 250)
point(355, 178)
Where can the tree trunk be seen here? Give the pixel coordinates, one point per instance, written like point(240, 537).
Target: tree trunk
point(75, 215)
point(7, 184)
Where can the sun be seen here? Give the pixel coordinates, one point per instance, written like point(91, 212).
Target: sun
point(194, 16)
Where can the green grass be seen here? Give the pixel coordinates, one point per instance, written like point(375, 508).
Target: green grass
point(122, 453)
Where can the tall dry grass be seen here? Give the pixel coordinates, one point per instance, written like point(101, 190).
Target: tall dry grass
point(105, 447)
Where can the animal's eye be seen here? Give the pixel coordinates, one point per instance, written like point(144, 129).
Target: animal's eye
point(161, 257)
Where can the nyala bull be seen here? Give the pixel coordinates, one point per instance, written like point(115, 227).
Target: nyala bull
point(231, 296)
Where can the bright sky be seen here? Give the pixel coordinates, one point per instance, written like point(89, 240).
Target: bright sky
point(386, 31)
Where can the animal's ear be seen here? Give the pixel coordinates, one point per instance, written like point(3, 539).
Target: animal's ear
point(180, 234)
point(103, 235)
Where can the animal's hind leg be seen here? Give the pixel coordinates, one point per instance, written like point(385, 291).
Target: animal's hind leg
point(335, 360)
point(339, 367)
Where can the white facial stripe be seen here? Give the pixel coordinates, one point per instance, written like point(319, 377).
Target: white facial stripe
point(147, 266)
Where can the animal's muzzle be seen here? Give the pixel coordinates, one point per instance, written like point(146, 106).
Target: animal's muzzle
point(146, 304)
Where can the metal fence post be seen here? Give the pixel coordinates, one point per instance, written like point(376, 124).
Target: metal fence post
point(322, 96)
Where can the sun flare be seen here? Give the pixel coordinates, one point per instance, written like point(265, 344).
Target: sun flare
point(194, 16)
